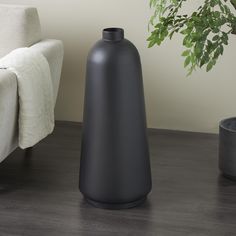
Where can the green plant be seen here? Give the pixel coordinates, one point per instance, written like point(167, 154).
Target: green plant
point(205, 31)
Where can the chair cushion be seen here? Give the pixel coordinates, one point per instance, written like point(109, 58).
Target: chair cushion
point(20, 27)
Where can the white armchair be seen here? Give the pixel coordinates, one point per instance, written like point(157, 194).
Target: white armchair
point(20, 27)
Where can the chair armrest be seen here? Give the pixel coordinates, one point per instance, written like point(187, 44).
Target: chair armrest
point(8, 113)
point(53, 50)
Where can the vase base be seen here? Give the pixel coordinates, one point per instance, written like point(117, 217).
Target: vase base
point(116, 206)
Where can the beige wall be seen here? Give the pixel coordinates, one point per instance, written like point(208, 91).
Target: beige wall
point(173, 101)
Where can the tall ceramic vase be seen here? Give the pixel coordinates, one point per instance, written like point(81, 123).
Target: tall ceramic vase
point(115, 168)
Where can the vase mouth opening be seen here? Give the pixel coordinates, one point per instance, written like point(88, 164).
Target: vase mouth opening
point(113, 34)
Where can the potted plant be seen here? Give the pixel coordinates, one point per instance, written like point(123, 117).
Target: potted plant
point(205, 34)
point(205, 31)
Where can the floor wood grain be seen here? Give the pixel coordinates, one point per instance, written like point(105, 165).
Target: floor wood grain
point(39, 191)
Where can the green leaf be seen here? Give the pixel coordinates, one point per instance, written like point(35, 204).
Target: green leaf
point(187, 61)
point(209, 66)
point(216, 30)
point(215, 38)
point(151, 37)
point(225, 38)
point(202, 62)
point(186, 53)
point(171, 34)
point(151, 44)
point(221, 49)
point(233, 3)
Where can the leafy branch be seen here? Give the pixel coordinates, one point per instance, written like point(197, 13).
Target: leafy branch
point(205, 31)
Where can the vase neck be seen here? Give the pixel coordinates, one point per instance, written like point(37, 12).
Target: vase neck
point(113, 34)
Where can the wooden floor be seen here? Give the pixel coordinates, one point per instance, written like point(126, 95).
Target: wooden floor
point(39, 191)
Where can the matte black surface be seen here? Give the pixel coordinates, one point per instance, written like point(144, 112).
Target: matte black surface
point(113, 34)
point(115, 167)
point(227, 147)
point(39, 191)
point(117, 206)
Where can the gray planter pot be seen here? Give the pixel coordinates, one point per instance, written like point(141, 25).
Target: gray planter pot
point(227, 147)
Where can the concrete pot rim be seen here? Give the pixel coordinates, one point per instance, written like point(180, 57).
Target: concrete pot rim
point(223, 125)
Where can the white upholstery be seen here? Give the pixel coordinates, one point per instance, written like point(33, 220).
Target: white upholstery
point(20, 27)
point(51, 49)
point(8, 113)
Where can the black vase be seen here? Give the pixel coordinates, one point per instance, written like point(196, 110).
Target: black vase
point(115, 167)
